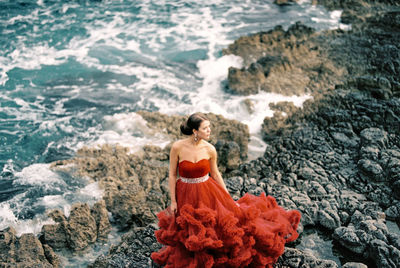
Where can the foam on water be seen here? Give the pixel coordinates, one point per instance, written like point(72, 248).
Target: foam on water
point(46, 189)
point(129, 130)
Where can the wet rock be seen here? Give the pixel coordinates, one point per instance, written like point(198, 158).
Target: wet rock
point(284, 106)
point(51, 256)
point(23, 251)
point(280, 61)
point(234, 186)
point(284, 2)
point(384, 255)
point(371, 169)
point(82, 228)
point(393, 212)
point(133, 251)
point(370, 136)
point(229, 155)
point(100, 215)
point(294, 258)
point(249, 104)
point(350, 239)
point(131, 182)
point(56, 235)
point(354, 265)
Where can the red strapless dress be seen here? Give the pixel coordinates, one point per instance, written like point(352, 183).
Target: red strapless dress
point(210, 229)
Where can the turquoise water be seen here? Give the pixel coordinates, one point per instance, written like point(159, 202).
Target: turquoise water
point(74, 73)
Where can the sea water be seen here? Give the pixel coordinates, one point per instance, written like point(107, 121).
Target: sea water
point(73, 74)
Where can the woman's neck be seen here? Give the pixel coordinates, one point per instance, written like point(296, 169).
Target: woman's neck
point(195, 143)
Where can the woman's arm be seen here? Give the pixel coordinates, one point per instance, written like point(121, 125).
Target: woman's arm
point(173, 165)
point(214, 168)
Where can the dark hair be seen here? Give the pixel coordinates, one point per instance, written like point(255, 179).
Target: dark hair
point(193, 122)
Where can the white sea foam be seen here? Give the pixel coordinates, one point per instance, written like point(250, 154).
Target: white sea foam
point(38, 174)
point(129, 130)
point(92, 191)
point(42, 181)
point(214, 70)
point(7, 216)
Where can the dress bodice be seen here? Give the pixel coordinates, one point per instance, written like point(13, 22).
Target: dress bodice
point(189, 169)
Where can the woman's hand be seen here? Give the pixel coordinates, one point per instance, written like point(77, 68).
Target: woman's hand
point(174, 206)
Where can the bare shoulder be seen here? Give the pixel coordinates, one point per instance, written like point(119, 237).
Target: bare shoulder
point(210, 148)
point(177, 145)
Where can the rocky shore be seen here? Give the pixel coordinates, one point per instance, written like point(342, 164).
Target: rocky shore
point(336, 159)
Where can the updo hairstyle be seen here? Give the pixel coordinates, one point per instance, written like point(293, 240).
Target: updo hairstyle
point(193, 122)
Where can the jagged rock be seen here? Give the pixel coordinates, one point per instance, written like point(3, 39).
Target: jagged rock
point(56, 235)
point(249, 105)
point(51, 256)
point(350, 239)
point(294, 258)
point(335, 159)
point(82, 227)
point(354, 265)
point(23, 251)
point(284, 2)
point(130, 182)
point(384, 255)
point(371, 169)
point(229, 154)
point(329, 219)
point(393, 212)
point(100, 214)
point(133, 251)
point(125, 199)
point(370, 136)
point(280, 61)
point(379, 87)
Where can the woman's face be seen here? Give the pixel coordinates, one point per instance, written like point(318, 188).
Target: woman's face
point(204, 130)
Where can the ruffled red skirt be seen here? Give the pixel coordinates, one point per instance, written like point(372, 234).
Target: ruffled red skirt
point(210, 229)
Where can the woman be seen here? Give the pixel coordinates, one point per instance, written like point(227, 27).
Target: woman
point(204, 226)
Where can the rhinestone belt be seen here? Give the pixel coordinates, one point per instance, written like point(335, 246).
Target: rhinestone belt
point(194, 180)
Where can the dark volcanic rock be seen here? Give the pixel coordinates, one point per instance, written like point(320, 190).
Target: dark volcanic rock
point(294, 258)
point(134, 250)
point(337, 158)
point(139, 243)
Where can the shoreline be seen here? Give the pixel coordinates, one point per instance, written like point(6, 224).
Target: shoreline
point(336, 159)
